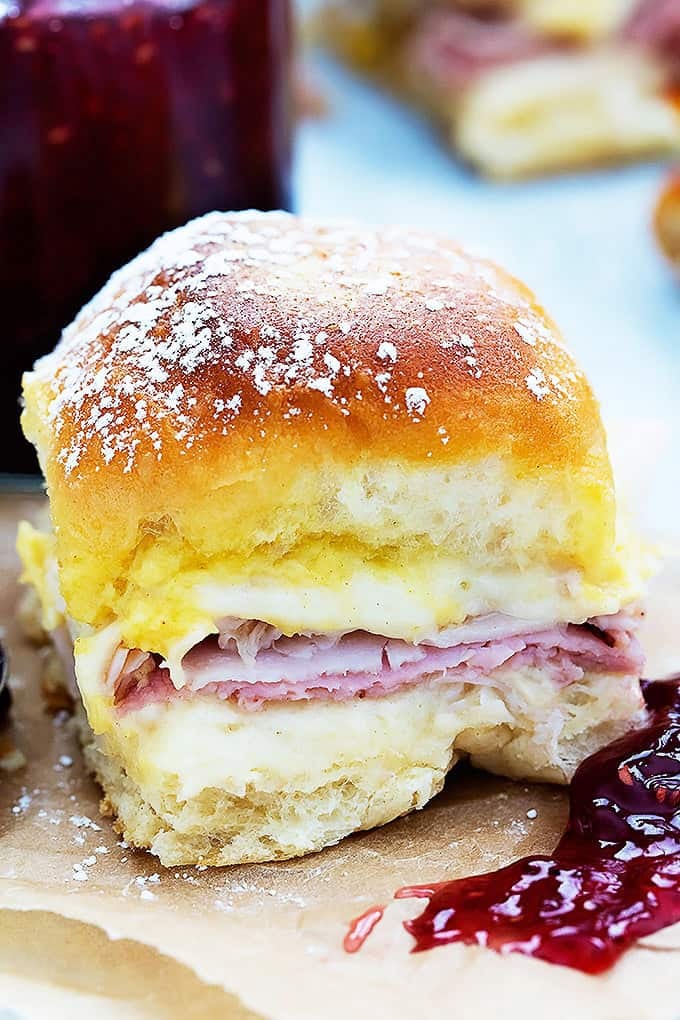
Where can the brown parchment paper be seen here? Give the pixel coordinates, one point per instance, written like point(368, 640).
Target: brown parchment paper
point(90, 928)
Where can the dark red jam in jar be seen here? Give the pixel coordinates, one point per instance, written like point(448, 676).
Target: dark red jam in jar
point(120, 119)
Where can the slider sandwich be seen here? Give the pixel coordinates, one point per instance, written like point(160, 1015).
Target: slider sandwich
point(667, 220)
point(524, 87)
point(331, 510)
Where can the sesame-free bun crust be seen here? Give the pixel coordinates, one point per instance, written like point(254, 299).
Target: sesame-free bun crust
point(268, 315)
point(258, 395)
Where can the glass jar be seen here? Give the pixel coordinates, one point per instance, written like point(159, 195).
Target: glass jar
point(120, 119)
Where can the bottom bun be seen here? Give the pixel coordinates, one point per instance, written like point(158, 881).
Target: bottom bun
point(200, 781)
point(564, 111)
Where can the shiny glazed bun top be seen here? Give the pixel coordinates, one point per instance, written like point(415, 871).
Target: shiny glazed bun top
point(326, 427)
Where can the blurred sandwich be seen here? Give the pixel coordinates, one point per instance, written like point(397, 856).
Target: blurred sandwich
point(332, 509)
point(667, 220)
point(523, 87)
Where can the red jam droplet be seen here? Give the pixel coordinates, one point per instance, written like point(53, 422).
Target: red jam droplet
point(360, 928)
point(614, 876)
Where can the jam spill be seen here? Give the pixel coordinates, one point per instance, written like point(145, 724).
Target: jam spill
point(614, 876)
point(361, 927)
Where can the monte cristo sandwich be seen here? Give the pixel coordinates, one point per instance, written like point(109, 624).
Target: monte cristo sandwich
point(522, 87)
point(331, 509)
point(667, 219)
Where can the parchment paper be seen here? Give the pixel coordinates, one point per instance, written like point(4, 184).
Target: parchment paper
point(90, 928)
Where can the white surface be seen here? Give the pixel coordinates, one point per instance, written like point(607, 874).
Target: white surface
point(582, 242)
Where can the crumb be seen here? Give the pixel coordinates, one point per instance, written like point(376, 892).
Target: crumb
point(83, 822)
point(79, 870)
point(23, 804)
point(11, 758)
point(56, 698)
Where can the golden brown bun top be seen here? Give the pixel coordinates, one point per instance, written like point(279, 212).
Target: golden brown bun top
point(261, 400)
point(259, 329)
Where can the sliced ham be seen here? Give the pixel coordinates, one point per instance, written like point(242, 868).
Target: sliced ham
point(656, 24)
point(253, 663)
point(451, 48)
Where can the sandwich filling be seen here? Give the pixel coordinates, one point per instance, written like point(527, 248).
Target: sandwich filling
point(455, 48)
point(529, 86)
point(253, 663)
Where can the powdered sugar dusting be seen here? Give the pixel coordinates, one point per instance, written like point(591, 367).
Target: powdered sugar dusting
point(417, 400)
point(387, 351)
point(537, 384)
point(288, 312)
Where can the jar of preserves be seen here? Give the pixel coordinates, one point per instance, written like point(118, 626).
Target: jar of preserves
point(120, 119)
